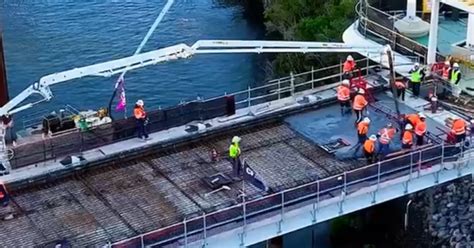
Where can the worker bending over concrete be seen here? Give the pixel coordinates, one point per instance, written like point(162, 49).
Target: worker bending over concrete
point(348, 67)
point(344, 96)
point(458, 129)
point(401, 86)
point(386, 135)
point(234, 154)
point(362, 131)
point(417, 75)
point(407, 138)
point(360, 103)
point(420, 129)
point(141, 120)
point(412, 119)
point(369, 149)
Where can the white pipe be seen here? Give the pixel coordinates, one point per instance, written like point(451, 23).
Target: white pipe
point(470, 31)
point(433, 39)
point(411, 9)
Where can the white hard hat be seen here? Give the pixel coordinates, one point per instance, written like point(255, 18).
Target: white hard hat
point(456, 65)
point(366, 119)
point(389, 124)
point(346, 82)
point(373, 137)
point(236, 139)
point(447, 63)
point(361, 91)
point(408, 127)
point(350, 58)
point(421, 115)
point(140, 103)
point(417, 64)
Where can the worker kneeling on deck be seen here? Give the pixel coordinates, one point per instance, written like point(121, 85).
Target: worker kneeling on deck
point(459, 130)
point(420, 129)
point(360, 103)
point(234, 154)
point(141, 120)
point(407, 138)
point(369, 149)
point(348, 67)
point(386, 135)
point(344, 96)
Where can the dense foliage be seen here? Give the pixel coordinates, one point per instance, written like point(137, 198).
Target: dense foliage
point(309, 20)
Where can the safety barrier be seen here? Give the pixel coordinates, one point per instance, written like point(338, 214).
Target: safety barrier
point(246, 212)
point(76, 141)
point(380, 26)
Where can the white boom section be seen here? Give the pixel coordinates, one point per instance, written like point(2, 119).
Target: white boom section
point(113, 67)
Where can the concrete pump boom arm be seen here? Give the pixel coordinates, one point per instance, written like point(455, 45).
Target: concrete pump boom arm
point(180, 51)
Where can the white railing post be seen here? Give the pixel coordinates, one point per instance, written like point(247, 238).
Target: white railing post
point(204, 230)
point(312, 77)
point(292, 81)
point(282, 211)
point(279, 89)
point(185, 233)
point(142, 241)
point(368, 64)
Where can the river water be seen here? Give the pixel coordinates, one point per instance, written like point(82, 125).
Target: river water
point(43, 37)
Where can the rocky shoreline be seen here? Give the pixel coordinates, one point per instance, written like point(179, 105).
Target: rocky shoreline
point(449, 214)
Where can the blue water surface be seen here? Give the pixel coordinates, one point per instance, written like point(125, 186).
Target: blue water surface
point(43, 37)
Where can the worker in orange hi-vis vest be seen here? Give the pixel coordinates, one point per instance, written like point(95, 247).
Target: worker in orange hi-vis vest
point(348, 66)
point(369, 149)
point(459, 130)
point(407, 138)
point(360, 103)
point(386, 136)
point(344, 96)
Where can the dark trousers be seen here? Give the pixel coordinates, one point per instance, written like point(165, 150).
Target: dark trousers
point(236, 167)
point(362, 138)
point(415, 87)
point(406, 146)
point(141, 129)
point(370, 156)
point(401, 94)
point(384, 149)
point(460, 138)
point(420, 140)
point(345, 104)
point(358, 115)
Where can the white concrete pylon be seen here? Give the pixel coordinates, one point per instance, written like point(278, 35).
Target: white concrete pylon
point(470, 31)
point(411, 9)
point(433, 39)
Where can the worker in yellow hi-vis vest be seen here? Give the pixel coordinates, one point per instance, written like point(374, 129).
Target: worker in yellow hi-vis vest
point(234, 154)
point(416, 77)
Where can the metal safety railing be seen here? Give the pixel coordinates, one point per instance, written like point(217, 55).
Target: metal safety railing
point(410, 166)
point(77, 141)
point(381, 25)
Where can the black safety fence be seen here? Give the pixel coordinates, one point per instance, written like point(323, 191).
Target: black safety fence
point(380, 26)
point(76, 141)
point(409, 164)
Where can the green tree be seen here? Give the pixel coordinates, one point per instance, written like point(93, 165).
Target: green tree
point(309, 20)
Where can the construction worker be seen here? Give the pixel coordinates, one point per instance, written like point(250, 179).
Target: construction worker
point(446, 70)
point(407, 138)
point(359, 104)
point(412, 119)
point(348, 67)
point(344, 96)
point(386, 135)
point(369, 149)
point(458, 129)
point(141, 120)
point(417, 75)
point(420, 129)
point(455, 78)
point(362, 130)
point(400, 85)
point(234, 154)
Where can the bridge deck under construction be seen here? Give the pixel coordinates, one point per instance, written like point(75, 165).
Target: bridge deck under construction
point(126, 198)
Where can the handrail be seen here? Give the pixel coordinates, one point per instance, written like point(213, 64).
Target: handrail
point(342, 177)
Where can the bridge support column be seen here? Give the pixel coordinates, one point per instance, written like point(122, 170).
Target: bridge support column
point(433, 39)
point(470, 32)
point(411, 9)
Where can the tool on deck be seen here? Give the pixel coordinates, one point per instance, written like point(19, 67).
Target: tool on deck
point(224, 187)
